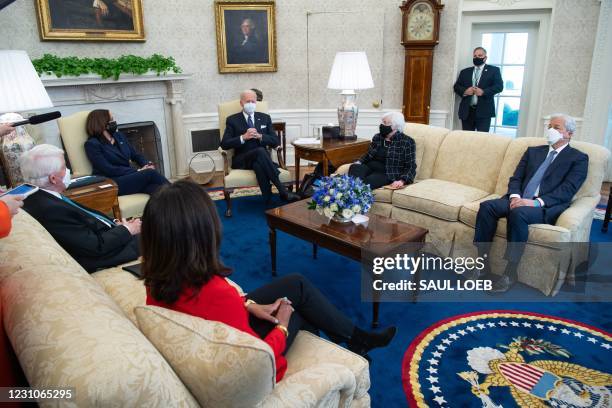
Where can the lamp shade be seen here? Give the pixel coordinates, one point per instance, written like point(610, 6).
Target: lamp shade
point(20, 86)
point(350, 71)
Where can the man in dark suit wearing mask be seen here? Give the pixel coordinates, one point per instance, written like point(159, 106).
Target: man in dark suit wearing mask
point(542, 187)
point(90, 237)
point(249, 133)
point(477, 87)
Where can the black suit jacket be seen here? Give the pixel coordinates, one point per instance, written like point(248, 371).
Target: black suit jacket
point(491, 84)
point(89, 241)
point(113, 160)
point(400, 163)
point(560, 183)
point(236, 126)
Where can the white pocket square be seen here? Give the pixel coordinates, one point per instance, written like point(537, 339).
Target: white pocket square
point(263, 126)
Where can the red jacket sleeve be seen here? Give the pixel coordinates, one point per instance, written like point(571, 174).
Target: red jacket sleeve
point(5, 220)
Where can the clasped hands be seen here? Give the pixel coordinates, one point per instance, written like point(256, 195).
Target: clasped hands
point(251, 133)
point(473, 90)
point(278, 312)
point(133, 225)
point(516, 202)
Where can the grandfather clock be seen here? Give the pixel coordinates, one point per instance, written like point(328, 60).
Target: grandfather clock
point(420, 32)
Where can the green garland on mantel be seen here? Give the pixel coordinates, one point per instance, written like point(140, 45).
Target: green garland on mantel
point(105, 67)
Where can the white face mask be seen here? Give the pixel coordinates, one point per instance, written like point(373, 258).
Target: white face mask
point(553, 136)
point(66, 179)
point(249, 108)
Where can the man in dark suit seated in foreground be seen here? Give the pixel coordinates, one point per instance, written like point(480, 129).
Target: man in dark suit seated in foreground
point(542, 187)
point(249, 133)
point(91, 238)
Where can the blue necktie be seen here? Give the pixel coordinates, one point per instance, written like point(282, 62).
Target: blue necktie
point(250, 122)
point(99, 217)
point(535, 181)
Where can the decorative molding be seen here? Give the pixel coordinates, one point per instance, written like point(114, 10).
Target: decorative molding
point(52, 80)
point(500, 5)
point(300, 122)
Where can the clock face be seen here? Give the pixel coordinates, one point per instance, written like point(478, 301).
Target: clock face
point(420, 25)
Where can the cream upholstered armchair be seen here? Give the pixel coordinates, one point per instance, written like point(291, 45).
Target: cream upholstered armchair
point(236, 178)
point(74, 136)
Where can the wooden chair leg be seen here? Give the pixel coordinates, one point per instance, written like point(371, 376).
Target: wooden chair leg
point(604, 228)
point(228, 203)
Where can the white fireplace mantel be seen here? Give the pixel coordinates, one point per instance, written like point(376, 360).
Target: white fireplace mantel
point(132, 98)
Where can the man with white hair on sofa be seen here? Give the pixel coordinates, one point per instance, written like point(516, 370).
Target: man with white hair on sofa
point(90, 237)
point(541, 188)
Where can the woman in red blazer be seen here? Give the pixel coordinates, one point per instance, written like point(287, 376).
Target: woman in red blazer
point(180, 239)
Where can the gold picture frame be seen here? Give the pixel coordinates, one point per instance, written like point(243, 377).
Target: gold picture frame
point(242, 44)
point(90, 20)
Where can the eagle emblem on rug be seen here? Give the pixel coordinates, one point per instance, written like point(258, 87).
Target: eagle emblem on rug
point(539, 383)
point(503, 359)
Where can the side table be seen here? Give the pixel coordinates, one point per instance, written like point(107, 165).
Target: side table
point(336, 151)
point(102, 196)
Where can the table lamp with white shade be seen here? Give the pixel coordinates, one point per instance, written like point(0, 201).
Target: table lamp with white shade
point(21, 90)
point(350, 72)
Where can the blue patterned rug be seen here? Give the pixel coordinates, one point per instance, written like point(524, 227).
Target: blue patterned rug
point(506, 358)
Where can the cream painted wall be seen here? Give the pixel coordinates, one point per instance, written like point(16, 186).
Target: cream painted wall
point(185, 29)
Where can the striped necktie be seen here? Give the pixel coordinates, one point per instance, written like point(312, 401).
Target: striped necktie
point(475, 79)
point(250, 122)
point(101, 218)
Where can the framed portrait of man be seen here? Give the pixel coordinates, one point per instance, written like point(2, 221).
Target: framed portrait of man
point(246, 36)
point(91, 20)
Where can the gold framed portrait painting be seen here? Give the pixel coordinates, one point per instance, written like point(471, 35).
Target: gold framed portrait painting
point(246, 36)
point(90, 20)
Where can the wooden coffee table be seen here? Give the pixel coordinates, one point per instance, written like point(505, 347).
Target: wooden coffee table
point(335, 151)
point(346, 239)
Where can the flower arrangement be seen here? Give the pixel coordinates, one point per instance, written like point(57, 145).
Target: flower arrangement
point(341, 197)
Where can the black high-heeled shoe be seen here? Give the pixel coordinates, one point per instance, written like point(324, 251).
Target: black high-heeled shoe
point(361, 342)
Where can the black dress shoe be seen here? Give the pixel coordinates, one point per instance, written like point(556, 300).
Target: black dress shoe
point(290, 197)
point(361, 341)
point(503, 284)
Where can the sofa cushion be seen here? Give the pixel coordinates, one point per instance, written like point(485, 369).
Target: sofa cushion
point(538, 233)
point(427, 139)
point(309, 350)
point(124, 288)
point(221, 366)
point(471, 158)
point(383, 195)
point(513, 155)
point(246, 178)
point(133, 205)
point(438, 198)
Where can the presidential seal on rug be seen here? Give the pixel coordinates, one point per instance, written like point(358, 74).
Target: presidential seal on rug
point(509, 359)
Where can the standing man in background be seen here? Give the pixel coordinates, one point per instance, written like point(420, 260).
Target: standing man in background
point(477, 87)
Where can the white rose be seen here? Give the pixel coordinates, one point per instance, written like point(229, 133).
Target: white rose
point(346, 213)
point(338, 196)
point(326, 198)
point(356, 209)
point(327, 212)
point(333, 207)
point(332, 191)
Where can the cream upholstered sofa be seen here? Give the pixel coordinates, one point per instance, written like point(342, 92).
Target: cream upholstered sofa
point(456, 170)
point(93, 333)
point(236, 178)
point(74, 136)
